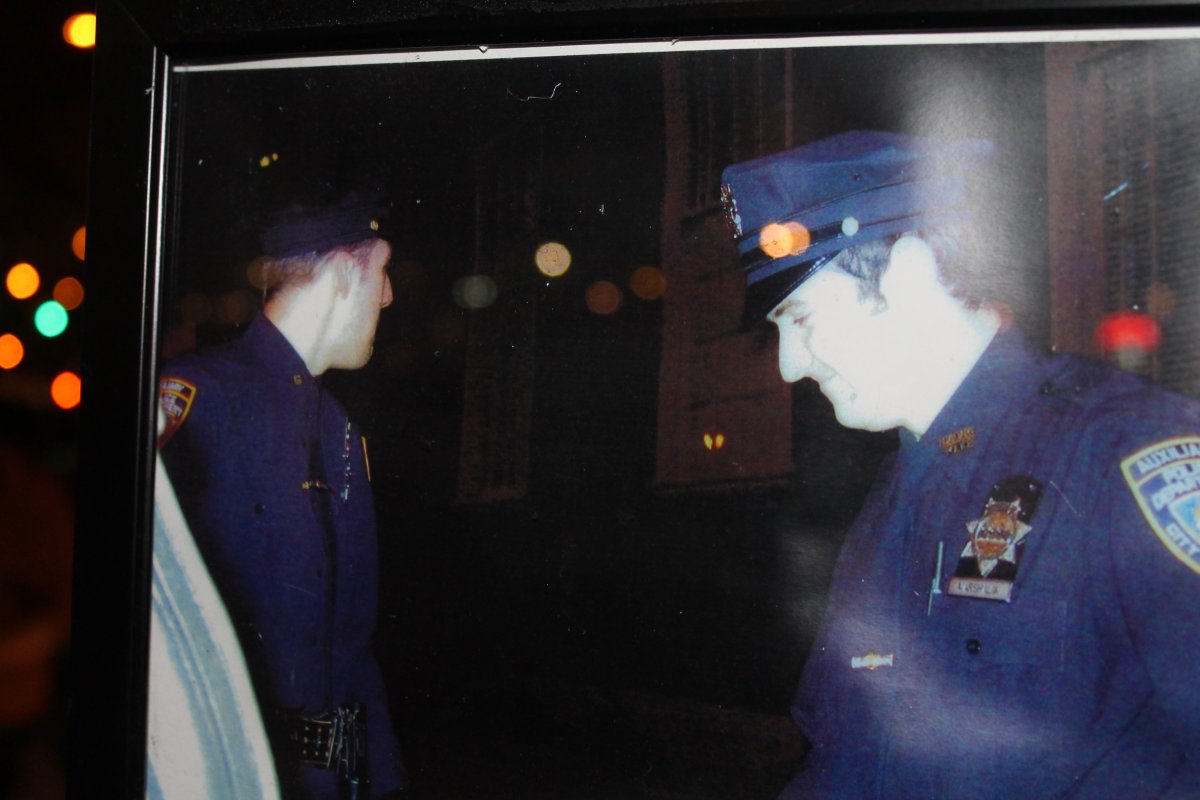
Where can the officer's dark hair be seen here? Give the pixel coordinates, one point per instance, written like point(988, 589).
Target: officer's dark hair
point(295, 271)
point(952, 247)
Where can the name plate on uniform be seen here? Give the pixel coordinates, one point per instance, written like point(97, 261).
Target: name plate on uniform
point(983, 588)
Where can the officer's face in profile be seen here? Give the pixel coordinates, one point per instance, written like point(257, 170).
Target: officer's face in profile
point(847, 344)
point(369, 290)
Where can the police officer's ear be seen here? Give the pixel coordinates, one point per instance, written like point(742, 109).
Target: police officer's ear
point(910, 279)
point(343, 266)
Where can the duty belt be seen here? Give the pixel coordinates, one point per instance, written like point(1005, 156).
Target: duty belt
point(335, 740)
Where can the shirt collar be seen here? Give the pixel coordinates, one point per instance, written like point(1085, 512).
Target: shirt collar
point(275, 352)
point(1004, 374)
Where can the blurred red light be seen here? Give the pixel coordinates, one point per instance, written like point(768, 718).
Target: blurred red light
point(1128, 330)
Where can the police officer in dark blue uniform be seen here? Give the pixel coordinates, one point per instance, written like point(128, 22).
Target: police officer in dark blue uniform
point(273, 478)
point(1012, 612)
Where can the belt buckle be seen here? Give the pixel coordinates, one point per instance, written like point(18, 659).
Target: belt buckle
point(315, 739)
point(334, 740)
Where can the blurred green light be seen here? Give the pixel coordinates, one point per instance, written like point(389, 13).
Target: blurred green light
point(50, 319)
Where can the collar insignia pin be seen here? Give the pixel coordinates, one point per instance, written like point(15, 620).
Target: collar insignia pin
point(958, 441)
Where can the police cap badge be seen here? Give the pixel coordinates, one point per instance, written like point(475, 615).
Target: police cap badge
point(793, 211)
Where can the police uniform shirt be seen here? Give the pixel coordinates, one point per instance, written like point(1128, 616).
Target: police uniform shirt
point(1085, 683)
point(272, 478)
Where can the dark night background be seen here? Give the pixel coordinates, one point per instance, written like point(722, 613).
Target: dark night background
point(44, 126)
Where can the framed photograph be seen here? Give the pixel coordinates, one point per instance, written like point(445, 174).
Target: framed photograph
point(598, 529)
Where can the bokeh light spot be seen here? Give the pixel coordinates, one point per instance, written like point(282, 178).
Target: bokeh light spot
point(50, 319)
point(66, 390)
point(69, 293)
point(784, 239)
point(23, 281)
point(79, 243)
point(475, 291)
point(262, 273)
point(265, 161)
point(1160, 299)
point(603, 297)
point(447, 329)
point(1128, 330)
point(235, 308)
point(80, 30)
point(553, 259)
point(648, 283)
point(195, 309)
point(11, 351)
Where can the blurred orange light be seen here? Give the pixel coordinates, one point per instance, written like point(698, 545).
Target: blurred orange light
point(69, 293)
point(603, 297)
point(23, 281)
point(80, 30)
point(714, 441)
point(66, 390)
point(79, 243)
point(648, 283)
point(787, 239)
point(11, 351)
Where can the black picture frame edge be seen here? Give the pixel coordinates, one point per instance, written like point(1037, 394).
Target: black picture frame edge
point(139, 40)
point(219, 29)
point(107, 672)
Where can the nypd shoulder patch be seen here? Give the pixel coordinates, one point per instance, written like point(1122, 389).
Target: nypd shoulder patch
point(175, 397)
point(1165, 481)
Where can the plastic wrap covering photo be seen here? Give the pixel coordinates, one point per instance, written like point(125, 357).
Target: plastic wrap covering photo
point(205, 737)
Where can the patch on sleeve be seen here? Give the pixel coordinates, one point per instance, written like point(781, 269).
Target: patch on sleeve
point(175, 396)
point(1165, 481)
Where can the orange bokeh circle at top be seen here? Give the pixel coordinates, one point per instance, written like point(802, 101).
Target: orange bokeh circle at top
point(80, 30)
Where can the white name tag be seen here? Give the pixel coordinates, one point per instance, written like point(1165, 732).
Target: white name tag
point(982, 588)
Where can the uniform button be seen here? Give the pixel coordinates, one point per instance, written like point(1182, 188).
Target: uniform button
point(297, 379)
point(1047, 387)
point(258, 508)
point(974, 646)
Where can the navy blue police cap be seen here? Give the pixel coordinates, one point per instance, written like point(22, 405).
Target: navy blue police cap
point(794, 211)
point(319, 227)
